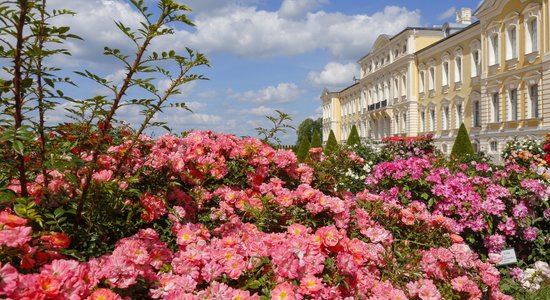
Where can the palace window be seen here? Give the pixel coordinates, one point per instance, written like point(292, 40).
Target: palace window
point(422, 82)
point(476, 114)
point(476, 65)
point(423, 120)
point(432, 79)
point(446, 118)
point(432, 119)
point(496, 107)
point(534, 97)
point(395, 88)
point(458, 114)
point(445, 79)
point(493, 146)
point(511, 46)
point(458, 69)
point(513, 111)
point(532, 43)
point(493, 54)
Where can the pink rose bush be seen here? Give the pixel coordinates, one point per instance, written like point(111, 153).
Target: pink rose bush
point(217, 217)
point(498, 209)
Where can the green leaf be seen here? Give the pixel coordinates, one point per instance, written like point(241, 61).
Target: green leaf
point(18, 147)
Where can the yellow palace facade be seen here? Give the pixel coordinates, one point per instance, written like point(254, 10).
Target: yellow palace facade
point(493, 75)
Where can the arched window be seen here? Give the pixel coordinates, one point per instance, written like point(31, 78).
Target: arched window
point(476, 117)
point(534, 100)
point(445, 73)
point(511, 46)
point(458, 69)
point(495, 104)
point(494, 50)
point(513, 104)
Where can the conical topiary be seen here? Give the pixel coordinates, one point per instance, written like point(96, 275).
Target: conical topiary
point(303, 149)
point(331, 145)
point(316, 140)
point(463, 146)
point(353, 138)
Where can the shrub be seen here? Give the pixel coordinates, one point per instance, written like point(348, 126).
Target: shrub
point(462, 147)
point(303, 149)
point(353, 138)
point(332, 144)
point(316, 140)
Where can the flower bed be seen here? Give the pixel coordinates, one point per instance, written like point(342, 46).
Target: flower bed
point(223, 218)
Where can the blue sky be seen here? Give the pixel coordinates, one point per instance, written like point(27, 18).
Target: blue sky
point(265, 54)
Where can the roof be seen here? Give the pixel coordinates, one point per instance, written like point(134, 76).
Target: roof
point(448, 37)
point(402, 31)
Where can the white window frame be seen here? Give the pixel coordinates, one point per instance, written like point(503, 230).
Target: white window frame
point(511, 41)
point(513, 104)
point(475, 48)
point(445, 70)
point(494, 48)
point(432, 119)
point(531, 15)
point(476, 113)
point(495, 106)
point(458, 69)
point(446, 117)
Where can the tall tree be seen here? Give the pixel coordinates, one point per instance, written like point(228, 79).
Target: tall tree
point(306, 129)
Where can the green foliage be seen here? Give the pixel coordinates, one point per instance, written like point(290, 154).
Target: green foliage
point(307, 128)
point(353, 138)
point(316, 141)
point(462, 147)
point(332, 144)
point(303, 150)
point(278, 125)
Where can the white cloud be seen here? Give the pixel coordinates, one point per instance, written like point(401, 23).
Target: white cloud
point(255, 111)
point(247, 31)
point(196, 106)
point(117, 77)
point(186, 119)
point(232, 26)
point(185, 90)
point(95, 23)
point(208, 94)
point(282, 93)
point(298, 8)
point(334, 75)
point(447, 14)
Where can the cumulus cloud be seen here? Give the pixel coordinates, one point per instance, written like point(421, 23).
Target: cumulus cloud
point(282, 93)
point(196, 106)
point(447, 14)
point(334, 74)
point(247, 31)
point(298, 8)
point(255, 111)
point(234, 26)
point(95, 23)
